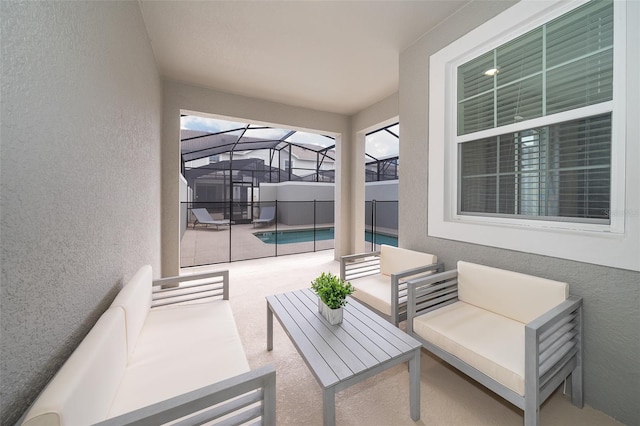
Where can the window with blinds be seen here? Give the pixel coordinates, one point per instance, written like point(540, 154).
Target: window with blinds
point(558, 168)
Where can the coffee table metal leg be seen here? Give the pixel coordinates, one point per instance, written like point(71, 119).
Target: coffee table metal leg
point(414, 385)
point(269, 328)
point(329, 407)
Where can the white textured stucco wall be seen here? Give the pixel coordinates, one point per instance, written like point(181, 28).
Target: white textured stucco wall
point(611, 296)
point(80, 178)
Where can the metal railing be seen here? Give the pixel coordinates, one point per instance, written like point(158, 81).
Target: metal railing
point(243, 231)
point(381, 224)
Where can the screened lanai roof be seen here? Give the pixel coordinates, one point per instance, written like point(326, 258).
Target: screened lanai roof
point(383, 143)
point(204, 137)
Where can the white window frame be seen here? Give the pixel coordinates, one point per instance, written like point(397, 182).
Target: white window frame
point(605, 244)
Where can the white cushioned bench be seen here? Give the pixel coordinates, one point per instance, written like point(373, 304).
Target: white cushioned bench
point(157, 356)
point(519, 335)
point(380, 277)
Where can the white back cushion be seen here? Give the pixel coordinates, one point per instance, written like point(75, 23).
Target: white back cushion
point(511, 294)
point(82, 391)
point(135, 300)
point(394, 259)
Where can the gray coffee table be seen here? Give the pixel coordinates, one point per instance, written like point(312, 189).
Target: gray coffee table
point(342, 355)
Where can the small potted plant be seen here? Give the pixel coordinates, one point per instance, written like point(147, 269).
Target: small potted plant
point(332, 292)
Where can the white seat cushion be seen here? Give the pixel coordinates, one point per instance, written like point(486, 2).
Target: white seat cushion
point(491, 343)
point(180, 349)
point(375, 291)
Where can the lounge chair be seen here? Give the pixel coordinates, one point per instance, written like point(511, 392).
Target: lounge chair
point(267, 215)
point(204, 218)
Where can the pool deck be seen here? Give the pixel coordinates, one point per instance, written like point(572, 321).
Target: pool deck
point(207, 245)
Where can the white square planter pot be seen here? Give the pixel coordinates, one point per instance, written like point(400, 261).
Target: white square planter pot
point(333, 316)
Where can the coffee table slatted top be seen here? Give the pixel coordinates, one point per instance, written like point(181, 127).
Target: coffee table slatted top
point(337, 353)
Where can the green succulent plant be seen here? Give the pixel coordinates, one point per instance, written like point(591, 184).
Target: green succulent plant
point(332, 290)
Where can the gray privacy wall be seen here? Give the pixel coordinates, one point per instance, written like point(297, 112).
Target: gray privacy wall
point(611, 296)
point(80, 178)
point(296, 207)
point(296, 202)
point(385, 193)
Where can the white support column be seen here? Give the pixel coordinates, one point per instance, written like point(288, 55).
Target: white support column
point(358, 192)
point(342, 195)
point(170, 166)
point(349, 207)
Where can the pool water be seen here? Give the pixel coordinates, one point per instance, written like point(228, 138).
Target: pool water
point(389, 240)
point(307, 235)
point(295, 236)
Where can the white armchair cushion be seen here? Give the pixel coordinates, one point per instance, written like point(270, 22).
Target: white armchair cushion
point(517, 296)
point(188, 346)
point(82, 391)
point(375, 291)
point(135, 300)
point(491, 343)
point(394, 259)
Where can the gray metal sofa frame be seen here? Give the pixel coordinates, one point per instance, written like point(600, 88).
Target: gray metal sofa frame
point(360, 265)
point(553, 345)
point(227, 397)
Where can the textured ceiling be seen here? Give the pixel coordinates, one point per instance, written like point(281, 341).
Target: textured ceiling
point(336, 56)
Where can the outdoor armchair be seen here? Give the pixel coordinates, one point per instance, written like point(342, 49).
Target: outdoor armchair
point(380, 277)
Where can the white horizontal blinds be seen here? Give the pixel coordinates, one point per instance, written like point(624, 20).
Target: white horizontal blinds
point(505, 174)
point(519, 79)
point(479, 173)
point(559, 171)
point(502, 86)
point(476, 94)
point(581, 169)
point(562, 65)
point(579, 56)
point(522, 163)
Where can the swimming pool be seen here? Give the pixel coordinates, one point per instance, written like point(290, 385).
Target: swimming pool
point(307, 235)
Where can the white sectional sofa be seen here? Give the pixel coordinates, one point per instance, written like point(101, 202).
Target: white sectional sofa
point(157, 356)
point(519, 335)
point(380, 278)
